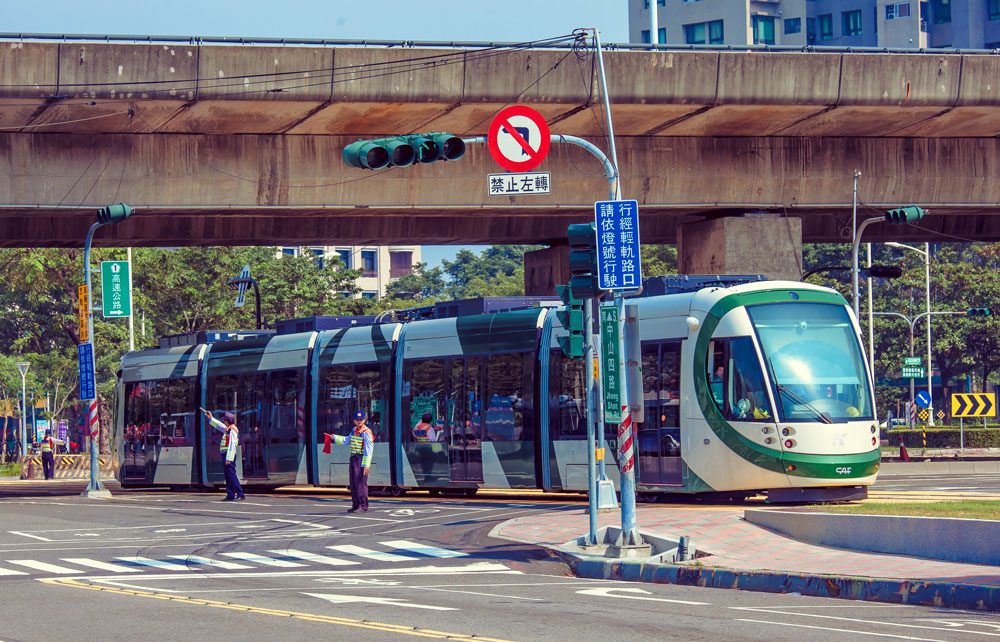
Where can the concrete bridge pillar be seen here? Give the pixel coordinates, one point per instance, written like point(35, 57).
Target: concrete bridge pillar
point(545, 269)
point(768, 244)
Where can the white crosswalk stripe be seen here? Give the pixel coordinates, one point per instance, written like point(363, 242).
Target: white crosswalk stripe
point(205, 561)
point(313, 557)
point(422, 549)
point(145, 561)
point(262, 559)
point(43, 566)
point(368, 553)
point(103, 566)
point(9, 571)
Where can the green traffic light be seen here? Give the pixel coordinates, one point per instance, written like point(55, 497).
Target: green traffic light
point(583, 260)
point(403, 151)
point(366, 154)
point(910, 214)
point(977, 312)
point(450, 147)
point(114, 213)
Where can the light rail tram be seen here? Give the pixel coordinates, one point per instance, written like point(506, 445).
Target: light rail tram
point(749, 387)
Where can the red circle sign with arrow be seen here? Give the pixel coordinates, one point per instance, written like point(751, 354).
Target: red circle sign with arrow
point(518, 138)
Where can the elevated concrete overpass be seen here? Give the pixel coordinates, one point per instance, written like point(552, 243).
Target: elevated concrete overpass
point(241, 144)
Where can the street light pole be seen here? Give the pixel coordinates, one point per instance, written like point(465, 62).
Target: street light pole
point(22, 367)
point(927, 275)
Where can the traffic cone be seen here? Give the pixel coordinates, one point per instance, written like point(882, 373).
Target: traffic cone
point(903, 455)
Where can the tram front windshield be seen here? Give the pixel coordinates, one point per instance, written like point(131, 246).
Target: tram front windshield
point(814, 360)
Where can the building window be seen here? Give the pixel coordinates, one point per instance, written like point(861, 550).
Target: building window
point(367, 294)
point(763, 30)
point(701, 33)
point(659, 3)
point(992, 45)
point(369, 263)
point(852, 23)
point(645, 36)
point(895, 10)
point(345, 256)
point(811, 31)
point(318, 257)
point(290, 251)
point(661, 35)
point(793, 25)
point(826, 26)
point(993, 9)
point(400, 264)
point(941, 10)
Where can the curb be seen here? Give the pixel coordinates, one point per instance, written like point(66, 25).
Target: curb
point(912, 592)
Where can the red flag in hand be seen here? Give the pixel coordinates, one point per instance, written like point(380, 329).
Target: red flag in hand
point(326, 444)
point(73, 445)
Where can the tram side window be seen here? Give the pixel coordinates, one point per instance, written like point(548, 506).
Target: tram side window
point(158, 416)
point(242, 395)
point(736, 380)
point(424, 392)
point(249, 414)
point(179, 429)
point(368, 382)
point(661, 370)
point(336, 398)
point(508, 397)
point(287, 399)
point(464, 405)
point(567, 401)
point(136, 401)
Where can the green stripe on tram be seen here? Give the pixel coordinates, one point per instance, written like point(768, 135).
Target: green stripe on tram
point(824, 466)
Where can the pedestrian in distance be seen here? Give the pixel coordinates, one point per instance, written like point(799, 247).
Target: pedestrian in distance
point(361, 442)
point(228, 447)
point(48, 445)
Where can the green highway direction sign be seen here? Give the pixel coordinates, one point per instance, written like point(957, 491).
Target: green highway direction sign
point(612, 379)
point(116, 289)
point(914, 372)
point(911, 361)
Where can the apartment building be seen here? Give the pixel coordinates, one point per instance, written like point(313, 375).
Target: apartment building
point(961, 24)
point(379, 264)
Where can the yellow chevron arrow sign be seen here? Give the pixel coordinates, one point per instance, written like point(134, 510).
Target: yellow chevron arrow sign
point(973, 404)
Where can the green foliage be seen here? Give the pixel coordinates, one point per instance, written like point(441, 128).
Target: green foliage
point(12, 469)
point(658, 260)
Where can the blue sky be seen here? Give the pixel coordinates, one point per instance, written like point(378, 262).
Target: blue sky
point(438, 20)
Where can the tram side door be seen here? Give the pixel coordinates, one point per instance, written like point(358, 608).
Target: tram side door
point(465, 449)
point(659, 436)
point(254, 430)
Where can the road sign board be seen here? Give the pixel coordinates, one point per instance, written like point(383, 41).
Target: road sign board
point(242, 287)
point(618, 264)
point(923, 399)
point(116, 289)
point(610, 357)
point(526, 183)
point(85, 357)
point(973, 404)
point(84, 313)
point(914, 372)
point(518, 138)
point(923, 413)
point(911, 361)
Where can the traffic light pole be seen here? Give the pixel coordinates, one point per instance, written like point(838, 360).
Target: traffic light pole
point(95, 488)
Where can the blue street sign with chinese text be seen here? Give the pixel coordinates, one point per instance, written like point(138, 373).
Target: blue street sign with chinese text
point(610, 358)
point(618, 266)
point(88, 386)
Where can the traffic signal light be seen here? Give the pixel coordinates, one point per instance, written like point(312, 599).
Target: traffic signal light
point(113, 213)
point(571, 318)
point(910, 214)
point(583, 260)
point(402, 151)
point(977, 312)
point(884, 271)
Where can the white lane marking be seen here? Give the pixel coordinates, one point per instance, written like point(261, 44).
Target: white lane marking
point(509, 597)
point(43, 566)
point(380, 556)
point(825, 628)
point(171, 530)
point(779, 611)
point(145, 561)
point(633, 595)
point(313, 557)
point(44, 539)
point(386, 601)
point(9, 571)
point(87, 535)
point(422, 549)
point(104, 566)
point(261, 559)
point(205, 561)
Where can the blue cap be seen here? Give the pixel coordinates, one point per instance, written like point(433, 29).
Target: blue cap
point(359, 414)
point(230, 417)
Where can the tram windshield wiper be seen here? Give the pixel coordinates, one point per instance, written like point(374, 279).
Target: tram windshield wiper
point(797, 398)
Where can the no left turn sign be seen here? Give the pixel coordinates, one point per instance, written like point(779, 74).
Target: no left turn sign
point(519, 138)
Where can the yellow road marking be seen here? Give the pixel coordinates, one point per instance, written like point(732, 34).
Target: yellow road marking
point(312, 617)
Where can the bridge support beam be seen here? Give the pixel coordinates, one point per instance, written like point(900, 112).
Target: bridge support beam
point(768, 244)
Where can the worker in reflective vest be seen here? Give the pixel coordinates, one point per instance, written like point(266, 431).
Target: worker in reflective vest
point(228, 447)
point(424, 431)
point(361, 442)
point(47, 445)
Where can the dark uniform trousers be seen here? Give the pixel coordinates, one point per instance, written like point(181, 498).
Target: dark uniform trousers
point(359, 484)
point(48, 465)
point(233, 488)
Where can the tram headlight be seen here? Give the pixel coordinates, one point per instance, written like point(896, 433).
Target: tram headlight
point(874, 429)
point(767, 440)
point(765, 430)
point(789, 443)
point(874, 441)
point(786, 431)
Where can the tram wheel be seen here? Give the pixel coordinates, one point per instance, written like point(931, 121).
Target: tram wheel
point(395, 491)
point(471, 492)
point(434, 492)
